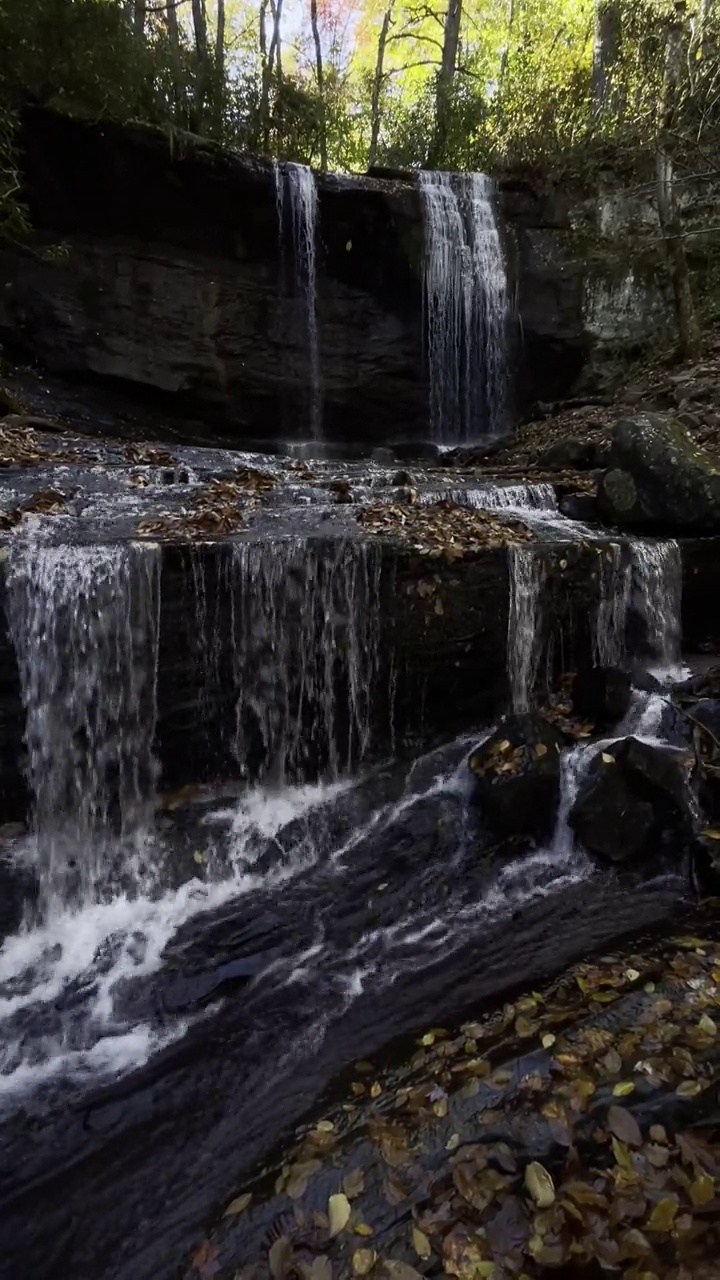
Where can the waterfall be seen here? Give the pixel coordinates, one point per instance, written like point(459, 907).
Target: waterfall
point(657, 592)
point(466, 300)
point(613, 603)
point(497, 497)
point(523, 639)
point(305, 655)
point(645, 578)
point(84, 622)
point(297, 205)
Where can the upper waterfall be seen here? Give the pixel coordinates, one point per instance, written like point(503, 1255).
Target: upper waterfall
point(466, 301)
point(297, 205)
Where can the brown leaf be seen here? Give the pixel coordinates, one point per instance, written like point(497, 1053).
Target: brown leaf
point(238, 1205)
point(625, 1127)
point(280, 1257)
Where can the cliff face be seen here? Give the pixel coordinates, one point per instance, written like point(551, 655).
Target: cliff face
point(165, 273)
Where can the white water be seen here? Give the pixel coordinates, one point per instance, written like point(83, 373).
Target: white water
point(525, 569)
point(644, 578)
point(466, 300)
point(84, 621)
point(296, 191)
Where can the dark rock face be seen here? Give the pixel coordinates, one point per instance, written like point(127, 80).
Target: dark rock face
point(601, 694)
point(569, 454)
point(660, 479)
point(634, 802)
point(517, 777)
point(164, 275)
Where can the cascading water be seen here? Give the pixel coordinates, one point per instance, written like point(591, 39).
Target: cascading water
point(526, 575)
point(657, 590)
point(297, 205)
point(643, 578)
point(466, 299)
point(306, 652)
point(499, 497)
point(84, 621)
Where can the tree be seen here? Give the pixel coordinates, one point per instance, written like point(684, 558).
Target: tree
point(445, 81)
point(669, 214)
point(606, 56)
point(320, 81)
point(378, 80)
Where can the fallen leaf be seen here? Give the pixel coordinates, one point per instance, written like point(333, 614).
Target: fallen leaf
point(280, 1257)
point(363, 1229)
point(607, 759)
point(239, 1204)
point(421, 1244)
point(702, 1190)
point(623, 1089)
point(540, 749)
point(540, 1185)
point(624, 1126)
point(689, 1089)
point(363, 1261)
point(663, 1216)
point(707, 1025)
point(354, 1183)
point(548, 1040)
point(338, 1213)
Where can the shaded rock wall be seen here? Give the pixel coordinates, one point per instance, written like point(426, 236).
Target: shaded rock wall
point(165, 273)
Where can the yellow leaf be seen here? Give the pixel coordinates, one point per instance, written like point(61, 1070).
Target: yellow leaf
point(689, 1089)
point(363, 1229)
point(702, 1190)
point(440, 1108)
point(632, 975)
point(540, 749)
point(548, 1040)
point(338, 1213)
point(711, 833)
point(239, 1204)
point(453, 1142)
point(325, 1126)
point(707, 1025)
point(624, 1088)
point(198, 856)
point(375, 1090)
point(363, 1261)
point(540, 1185)
point(622, 1155)
point(505, 745)
point(421, 1244)
point(663, 1215)
point(607, 758)
point(427, 1039)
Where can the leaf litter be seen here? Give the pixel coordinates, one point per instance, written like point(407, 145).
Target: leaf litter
point(618, 1104)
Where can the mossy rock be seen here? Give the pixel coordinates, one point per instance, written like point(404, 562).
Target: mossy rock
point(660, 479)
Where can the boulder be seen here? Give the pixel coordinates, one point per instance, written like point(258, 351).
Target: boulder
point(601, 694)
point(659, 478)
point(570, 454)
point(634, 802)
point(517, 776)
point(706, 863)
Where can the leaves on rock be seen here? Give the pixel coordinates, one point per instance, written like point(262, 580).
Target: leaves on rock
point(338, 1213)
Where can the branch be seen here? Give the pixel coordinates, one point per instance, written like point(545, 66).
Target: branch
point(402, 35)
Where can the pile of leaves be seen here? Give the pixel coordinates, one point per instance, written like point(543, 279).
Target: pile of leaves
point(219, 509)
point(443, 528)
point(46, 502)
point(22, 446)
point(577, 1127)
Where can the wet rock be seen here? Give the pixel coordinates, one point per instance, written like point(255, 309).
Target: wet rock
point(706, 864)
point(601, 694)
point(634, 802)
point(570, 454)
point(579, 506)
point(517, 776)
point(659, 478)
point(385, 457)
point(401, 478)
point(469, 455)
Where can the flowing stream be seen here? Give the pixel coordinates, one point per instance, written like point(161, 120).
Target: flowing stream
point(297, 205)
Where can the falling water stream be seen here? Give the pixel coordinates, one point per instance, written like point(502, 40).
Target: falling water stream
point(466, 301)
point(297, 205)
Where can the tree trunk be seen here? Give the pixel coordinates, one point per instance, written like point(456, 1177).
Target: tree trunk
point(506, 49)
point(377, 86)
point(139, 17)
point(219, 79)
point(669, 214)
point(273, 60)
point(607, 98)
point(202, 83)
point(320, 81)
point(173, 32)
point(445, 81)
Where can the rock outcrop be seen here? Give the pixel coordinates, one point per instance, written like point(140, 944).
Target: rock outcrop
point(516, 775)
point(601, 694)
point(634, 802)
point(660, 479)
point(157, 268)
